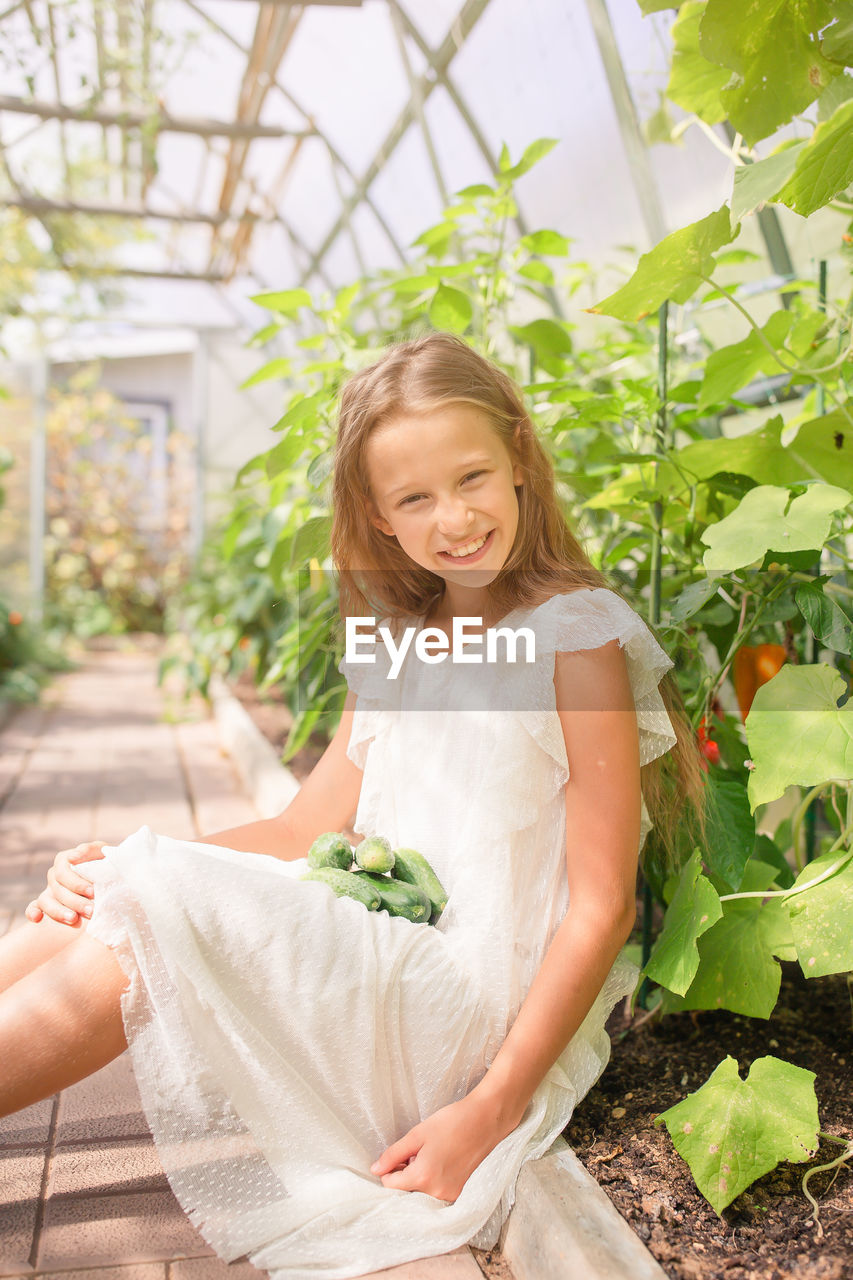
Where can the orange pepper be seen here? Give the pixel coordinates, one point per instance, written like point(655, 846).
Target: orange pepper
point(753, 666)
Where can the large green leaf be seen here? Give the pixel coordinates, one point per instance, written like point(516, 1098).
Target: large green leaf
point(729, 368)
point(757, 454)
point(760, 523)
point(832, 624)
point(673, 269)
point(798, 706)
point(738, 957)
point(779, 66)
point(822, 918)
point(694, 908)
point(824, 167)
point(825, 446)
point(695, 83)
point(532, 155)
point(732, 1131)
point(731, 829)
point(755, 184)
point(450, 309)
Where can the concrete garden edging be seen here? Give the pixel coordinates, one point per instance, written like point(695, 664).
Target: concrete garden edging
point(562, 1225)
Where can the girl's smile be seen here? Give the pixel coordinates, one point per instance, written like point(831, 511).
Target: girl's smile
point(444, 485)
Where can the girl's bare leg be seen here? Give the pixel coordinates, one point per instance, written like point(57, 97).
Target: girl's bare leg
point(60, 1022)
point(28, 945)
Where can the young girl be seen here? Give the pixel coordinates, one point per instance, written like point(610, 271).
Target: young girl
point(334, 1091)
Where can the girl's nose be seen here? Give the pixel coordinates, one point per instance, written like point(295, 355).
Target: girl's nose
point(454, 517)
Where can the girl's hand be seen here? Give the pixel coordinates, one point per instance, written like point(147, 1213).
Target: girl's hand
point(440, 1154)
point(68, 897)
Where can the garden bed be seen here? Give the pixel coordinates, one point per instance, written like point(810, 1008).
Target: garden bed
point(767, 1233)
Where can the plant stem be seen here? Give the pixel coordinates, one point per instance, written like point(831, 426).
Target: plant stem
point(799, 814)
point(810, 884)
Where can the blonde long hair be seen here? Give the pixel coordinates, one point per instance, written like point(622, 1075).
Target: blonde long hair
point(376, 575)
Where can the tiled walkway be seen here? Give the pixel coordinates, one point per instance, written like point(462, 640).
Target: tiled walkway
point(82, 1192)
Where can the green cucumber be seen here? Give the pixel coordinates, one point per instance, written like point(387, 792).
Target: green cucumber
point(413, 868)
point(374, 854)
point(398, 898)
point(330, 850)
point(346, 885)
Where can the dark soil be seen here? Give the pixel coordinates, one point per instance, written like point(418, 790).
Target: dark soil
point(767, 1233)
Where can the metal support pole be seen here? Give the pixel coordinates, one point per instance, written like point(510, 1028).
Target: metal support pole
point(811, 812)
point(200, 403)
point(38, 483)
point(655, 601)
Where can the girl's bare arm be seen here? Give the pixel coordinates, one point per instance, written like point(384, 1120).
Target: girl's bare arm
point(603, 800)
point(326, 801)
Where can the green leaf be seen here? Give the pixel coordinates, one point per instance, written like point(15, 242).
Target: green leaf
point(531, 156)
point(737, 965)
point(695, 84)
point(760, 523)
point(824, 166)
point(450, 309)
point(837, 41)
point(539, 271)
point(729, 368)
point(311, 541)
point(263, 335)
point(283, 455)
point(673, 269)
point(731, 829)
point(759, 182)
point(799, 705)
point(733, 1131)
point(779, 67)
point(546, 243)
point(832, 625)
point(693, 598)
point(766, 850)
point(303, 410)
point(694, 908)
point(288, 301)
point(821, 917)
point(548, 337)
point(278, 368)
point(825, 446)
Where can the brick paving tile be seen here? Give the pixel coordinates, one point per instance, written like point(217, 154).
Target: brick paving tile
point(213, 1269)
point(21, 1173)
point(104, 1168)
point(133, 1271)
point(27, 1128)
point(458, 1265)
point(91, 1231)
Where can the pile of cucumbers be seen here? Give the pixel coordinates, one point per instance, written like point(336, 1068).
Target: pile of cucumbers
point(399, 881)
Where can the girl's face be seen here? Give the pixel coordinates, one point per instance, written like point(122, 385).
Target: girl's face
point(443, 485)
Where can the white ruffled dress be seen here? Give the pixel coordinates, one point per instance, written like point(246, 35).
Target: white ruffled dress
point(282, 1037)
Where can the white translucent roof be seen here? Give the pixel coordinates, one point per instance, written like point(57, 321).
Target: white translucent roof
point(374, 88)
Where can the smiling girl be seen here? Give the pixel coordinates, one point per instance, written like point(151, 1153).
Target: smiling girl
point(334, 1091)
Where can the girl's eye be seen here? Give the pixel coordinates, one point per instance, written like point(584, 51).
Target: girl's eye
point(474, 475)
point(413, 497)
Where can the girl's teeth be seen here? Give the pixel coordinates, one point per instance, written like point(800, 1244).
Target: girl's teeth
point(469, 548)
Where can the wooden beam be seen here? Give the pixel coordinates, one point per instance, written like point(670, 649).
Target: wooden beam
point(38, 205)
point(136, 119)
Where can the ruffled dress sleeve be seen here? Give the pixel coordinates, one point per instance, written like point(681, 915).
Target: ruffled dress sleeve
point(587, 619)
